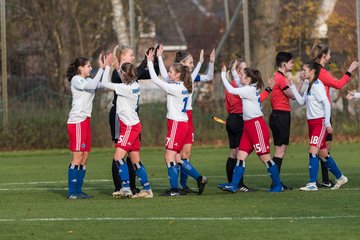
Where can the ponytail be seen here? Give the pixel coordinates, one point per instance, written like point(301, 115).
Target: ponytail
point(73, 68)
point(130, 74)
point(318, 50)
point(312, 65)
point(255, 76)
point(185, 75)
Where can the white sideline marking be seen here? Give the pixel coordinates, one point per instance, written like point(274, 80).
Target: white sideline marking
point(153, 179)
point(178, 218)
point(106, 187)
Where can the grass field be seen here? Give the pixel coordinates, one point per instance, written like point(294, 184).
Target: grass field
point(33, 204)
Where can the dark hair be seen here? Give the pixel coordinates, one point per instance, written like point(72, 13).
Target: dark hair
point(255, 76)
point(73, 68)
point(181, 56)
point(312, 65)
point(130, 74)
point(318, 50)
point(239, 61)
point(283, 57)
point(185, 75)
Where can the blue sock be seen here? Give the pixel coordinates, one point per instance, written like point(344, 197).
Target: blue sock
point(183, 176)
point(189, 169)
point(123, 172)
point(80, 178)
point(142, 175)
point(313, 167)
point(331, 165)
point(273, 171)
point(173, 174)
point(238, 172)
point(72, 179)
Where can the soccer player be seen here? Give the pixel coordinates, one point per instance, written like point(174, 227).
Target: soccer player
point(321, 54)
point(235, 121)
point(256, 133)
point(128, 95)
point(279, 120)
point(318, 111)
point(124, 54)
point(178, 92)
point(78, 124)
point(185, 58)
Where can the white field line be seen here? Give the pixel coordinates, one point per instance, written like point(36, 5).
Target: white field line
point(153, 179)
point(179, 218)
point(106, 187)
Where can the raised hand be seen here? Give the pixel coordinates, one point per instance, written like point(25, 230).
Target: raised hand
point(223, 68)
point(201, 58)
point(108, 59)
point(160, 50)
point(101, 61)
point(353, 66)
point(150, 55)
point(350, 95)
point(233, 67)
point(271, 82)
point(212, 56)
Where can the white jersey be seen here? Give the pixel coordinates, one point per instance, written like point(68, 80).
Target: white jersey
point(83, 92)
point(357, 95)
point(128, 97)
point(195, 76)
point(177, 96)
point(317, 103)
point(250, 97)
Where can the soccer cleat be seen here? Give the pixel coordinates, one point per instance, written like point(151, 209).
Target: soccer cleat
point(285, 187)
point(201, 184)
point(171, 193)
point(83, 195)
point(144, 194)
point(278, 188)
point(230, 188)
point(309, 187)
point(222, 186)
point(325, 184)
point(124, 192)
point(339, 182)
point(244, 188)
point(73, 196)
point(116, 194)
point(186, 190)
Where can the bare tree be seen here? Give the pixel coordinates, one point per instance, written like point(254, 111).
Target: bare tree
point(119, 22)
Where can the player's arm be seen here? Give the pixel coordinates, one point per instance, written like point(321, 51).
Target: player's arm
point(320, 94)
point(92, 83)
point(300, 99)
point(226, 83)
point(195, 73)
point(162, 84)
point(210, 72)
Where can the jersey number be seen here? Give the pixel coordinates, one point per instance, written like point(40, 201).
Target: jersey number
point(185, 100)
point(257, 147)
point(314, 140)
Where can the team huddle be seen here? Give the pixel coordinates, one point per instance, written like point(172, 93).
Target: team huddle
point(245, 125)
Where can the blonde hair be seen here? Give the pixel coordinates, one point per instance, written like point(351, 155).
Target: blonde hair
point(119, 51)
point(238, 66)
point(318, 50)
